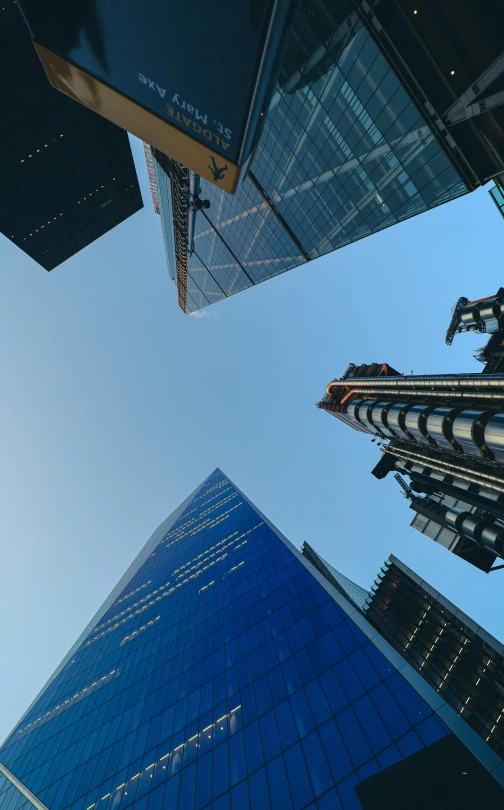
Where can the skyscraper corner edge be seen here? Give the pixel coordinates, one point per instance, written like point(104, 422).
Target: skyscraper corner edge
point(21, 788)
point(473, 742)
point(188, 665)
point(130, 572)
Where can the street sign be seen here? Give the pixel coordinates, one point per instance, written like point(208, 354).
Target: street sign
point(191, 77)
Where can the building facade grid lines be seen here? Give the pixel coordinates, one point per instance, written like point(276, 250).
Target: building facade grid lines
point(225, 675)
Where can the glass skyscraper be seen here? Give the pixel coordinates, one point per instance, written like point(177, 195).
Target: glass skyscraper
point(347, 150)
point(226, 672)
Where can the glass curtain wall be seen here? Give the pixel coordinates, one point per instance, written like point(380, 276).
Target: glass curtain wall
point(224, 676)
point(345, 153)
point(11, 797)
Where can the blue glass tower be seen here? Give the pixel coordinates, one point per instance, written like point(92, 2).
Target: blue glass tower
point(225, 672)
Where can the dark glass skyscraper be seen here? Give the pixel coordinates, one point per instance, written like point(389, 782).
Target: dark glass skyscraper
point(355, 140)
point(66, 175)
point(226, 672)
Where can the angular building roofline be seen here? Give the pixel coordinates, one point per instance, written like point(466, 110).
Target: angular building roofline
point(463, 617)
point(25, 791)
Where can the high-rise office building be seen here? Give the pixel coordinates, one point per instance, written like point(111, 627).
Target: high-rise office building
point(459, 659)
point(66, 175)
point(368, 126)
point(444, 431)
point(226, 672)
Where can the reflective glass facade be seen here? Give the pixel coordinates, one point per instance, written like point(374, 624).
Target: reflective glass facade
point(11, 797)
point(225, 673)
point(345, 152)
point(438, 531)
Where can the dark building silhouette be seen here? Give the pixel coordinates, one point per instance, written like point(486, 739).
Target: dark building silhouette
point(66, 175)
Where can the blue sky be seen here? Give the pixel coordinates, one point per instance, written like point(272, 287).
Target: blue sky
point(115, 406)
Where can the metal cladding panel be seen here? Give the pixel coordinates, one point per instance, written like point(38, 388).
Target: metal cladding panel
point(470, 315)
point(492, 325)
point(461, 483)
point(489, 312)
point(352, 408)
point(379, 417)
point(192, 80)
point(492, 537)
point(363, 417)
point(418, 468)
point(393, 418)
point(490, 494)
point(463, 432)
point(453, 518)
point(435, 426)
point(470, 527)
point(412, 422)
point(494, 436)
